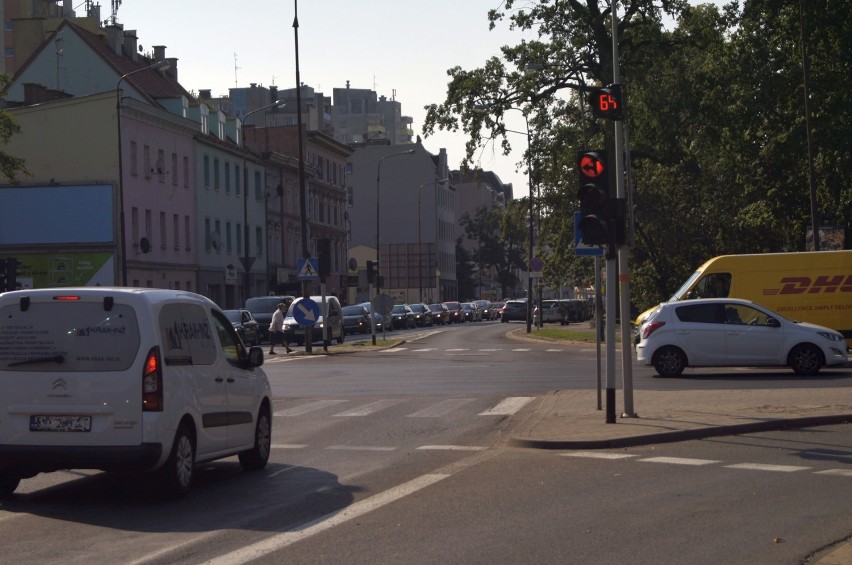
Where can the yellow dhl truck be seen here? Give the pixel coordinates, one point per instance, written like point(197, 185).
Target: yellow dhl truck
point(811, 286)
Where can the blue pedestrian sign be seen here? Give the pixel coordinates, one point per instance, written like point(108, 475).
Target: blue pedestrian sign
point(308, 269)
point(306, 312)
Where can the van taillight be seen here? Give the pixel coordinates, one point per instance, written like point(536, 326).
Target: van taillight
point(152, 382)
point(651, 328)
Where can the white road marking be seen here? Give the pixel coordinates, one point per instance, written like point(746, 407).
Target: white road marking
point(508, 406)
point(442, 408)
point(457, 349)
point(598, 455)
point(492, 349)
point(288, 446)
point(453, 447)
point(309, 407)
point(522, 349)
point(394, 350)
point(553, 350)
point(762, 467)
point(425, 350)
point(679, 461)
point(360, 448)
point(839, 472)
point(368, 409)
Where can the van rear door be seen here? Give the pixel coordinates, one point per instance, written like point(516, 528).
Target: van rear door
point(70, 371)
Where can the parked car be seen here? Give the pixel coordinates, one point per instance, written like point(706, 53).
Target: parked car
point(729, 332)
point(514, 310)
point(488, 313)
point(498, 309)
point(378, 317)
point(333, 320)
point(245, 324)
point(440, 314)
point(356, 319)
point(422, 314)
point(402, 317)
point(456, 315)
point(262, 308)
point(136, 380)
point(551, 311)
point(472, 312)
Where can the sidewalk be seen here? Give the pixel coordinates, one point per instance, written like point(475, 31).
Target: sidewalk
point(571, 420)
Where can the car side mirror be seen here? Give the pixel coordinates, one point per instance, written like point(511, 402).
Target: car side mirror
point(773, 323)
point(255, 357)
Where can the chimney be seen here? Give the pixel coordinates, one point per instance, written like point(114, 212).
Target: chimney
point(171, 72)
point(159, 53)
point(131, 44)
point(115, 38)
point(204, 93)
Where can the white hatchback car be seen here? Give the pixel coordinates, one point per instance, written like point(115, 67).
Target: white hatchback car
point(730, 332)
point(126, 379)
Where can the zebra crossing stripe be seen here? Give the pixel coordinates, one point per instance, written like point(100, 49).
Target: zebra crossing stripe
point(839, 472)
point(309, 407)
point(762, 467)
point(679, 461)
point(452, 447)
point(596, 455)
point(370, 408)
point(442, 408)
point(508, 406)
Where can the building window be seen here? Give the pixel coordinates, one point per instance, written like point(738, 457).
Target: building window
point(228, 237)
point(146, 160)
point(162, 230)
point(134, 225)
point(258, 244)
point(227, 179)
point(206, 171)
point(134, 159)
point(149, 224)
point(176, 230)
point(187, 233)
point(239, 232)
point(217, 235)
point(208, 239)
point(216, 173)
point(161, 165)
point(186, 172)
point(174, 169)
point(237, 179)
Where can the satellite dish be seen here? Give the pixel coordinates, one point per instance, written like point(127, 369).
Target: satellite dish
point(145, 245)
point(216, 241)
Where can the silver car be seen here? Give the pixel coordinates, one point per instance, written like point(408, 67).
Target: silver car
point(730, 332)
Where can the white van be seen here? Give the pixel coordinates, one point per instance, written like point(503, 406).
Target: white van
point(330, 320)
point(126, 379)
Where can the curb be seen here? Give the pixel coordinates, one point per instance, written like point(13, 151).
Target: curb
point(683, 435)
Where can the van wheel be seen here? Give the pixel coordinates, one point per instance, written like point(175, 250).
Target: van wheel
point(256, 457)
point(805, 359)
point(176, 475)
point(669, 362)
point(8, 484)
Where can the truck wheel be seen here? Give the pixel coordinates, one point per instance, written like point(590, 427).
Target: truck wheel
point(805, 359)
point(256, 457)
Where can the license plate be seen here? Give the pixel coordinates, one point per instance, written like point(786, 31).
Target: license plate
point(60, 423)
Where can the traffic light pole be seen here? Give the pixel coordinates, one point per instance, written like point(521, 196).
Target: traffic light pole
point(623, 267)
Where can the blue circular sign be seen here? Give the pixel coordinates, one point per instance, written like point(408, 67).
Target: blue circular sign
point(306, 312)
point(536, 264)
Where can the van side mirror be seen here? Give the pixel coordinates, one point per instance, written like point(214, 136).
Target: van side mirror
point(255, 357)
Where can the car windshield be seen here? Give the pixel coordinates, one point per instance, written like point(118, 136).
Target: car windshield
point(353, 310)
point(262, 304)
point(418, 308)
point(435, 308)
point(398, 309)
point(233, 315)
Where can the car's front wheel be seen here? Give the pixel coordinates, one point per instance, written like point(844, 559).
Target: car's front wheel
point(669, 362)
point(8, 483)
point(805, 359)
point(256, 457)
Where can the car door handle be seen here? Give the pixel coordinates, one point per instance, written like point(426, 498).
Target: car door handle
point(231, 379)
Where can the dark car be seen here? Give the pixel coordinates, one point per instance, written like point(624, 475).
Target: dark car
point(377, 316)
point(472, 312)
point(440, 314)
point(514, 310)
point(245, 324)
point(356, 319)
point(488, 311)
point(262, 308)
point(456, 312)
point(402, 317)
point(422, 314)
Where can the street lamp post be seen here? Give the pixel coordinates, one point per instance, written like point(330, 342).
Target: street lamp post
point(419, 240)
point(246, 260)
point(158, 66)
point(378, 223)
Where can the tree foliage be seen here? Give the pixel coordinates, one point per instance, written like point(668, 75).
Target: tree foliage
point(715, 124)
point(10, 166)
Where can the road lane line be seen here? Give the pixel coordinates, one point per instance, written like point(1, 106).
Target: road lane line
point(679, 461)
point(308, 407)
point(360, 448)
point(763, 467)
point(367, 409)
point(453, 447)
point(597, 455)
point(839, 472)
point(442, 408)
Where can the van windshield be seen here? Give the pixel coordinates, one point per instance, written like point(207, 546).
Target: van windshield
point(679, 295)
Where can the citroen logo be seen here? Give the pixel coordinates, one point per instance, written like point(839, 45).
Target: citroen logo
point(60, 384)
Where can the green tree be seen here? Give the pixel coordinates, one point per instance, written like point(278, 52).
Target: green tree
point(10, 166)
point(464, 272)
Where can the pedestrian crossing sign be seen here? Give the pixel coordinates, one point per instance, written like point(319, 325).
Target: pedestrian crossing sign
point(308, 269)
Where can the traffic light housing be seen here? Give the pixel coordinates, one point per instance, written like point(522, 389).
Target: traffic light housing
point(324, 258)
point(371, 272)
point(606, 102)
point(593, 194)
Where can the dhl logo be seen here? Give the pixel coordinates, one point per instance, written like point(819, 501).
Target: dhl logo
point(806, 285)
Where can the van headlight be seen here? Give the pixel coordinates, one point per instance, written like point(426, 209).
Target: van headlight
point(831, 336)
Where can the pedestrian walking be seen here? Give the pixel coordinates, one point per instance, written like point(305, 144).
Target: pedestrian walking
point(276, 329)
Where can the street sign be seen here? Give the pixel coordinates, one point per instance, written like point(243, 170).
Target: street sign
point(308, 269)
point(306, 312)
point(383, 304)
point(536, 265)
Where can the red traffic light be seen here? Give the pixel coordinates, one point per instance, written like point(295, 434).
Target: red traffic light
point(592, 165)
point(606, 102)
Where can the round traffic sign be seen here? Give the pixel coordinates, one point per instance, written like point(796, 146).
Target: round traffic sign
point(536, 264)
point(306, 312)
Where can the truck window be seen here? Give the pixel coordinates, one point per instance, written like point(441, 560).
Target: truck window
point(715, 285)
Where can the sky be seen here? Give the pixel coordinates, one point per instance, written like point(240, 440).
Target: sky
point(402, 49)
